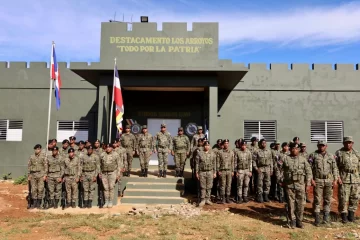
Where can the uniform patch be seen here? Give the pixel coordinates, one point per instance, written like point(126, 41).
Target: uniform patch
point(135, 128)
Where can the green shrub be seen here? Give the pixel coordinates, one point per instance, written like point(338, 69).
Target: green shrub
point(6, 176)
point(21, 180)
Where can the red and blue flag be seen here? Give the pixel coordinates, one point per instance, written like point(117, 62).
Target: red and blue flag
point(55, 75)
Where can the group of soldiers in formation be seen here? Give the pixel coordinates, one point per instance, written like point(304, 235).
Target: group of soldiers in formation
point(284, 172)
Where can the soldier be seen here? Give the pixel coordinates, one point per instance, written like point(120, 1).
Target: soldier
point(181, 150)
point(216, 148)
point(63, 151)
point(325, 175)
point(225, 168)
point(55, 173)
point(90, 169)
point(54, 142)
point(243, 168)
point(297, 178)
point(348, 163)
point(72, 173)
point(205, 172)
point(122, 155)
point(306, 156)
point(110, 165)
point(81, 149)
point(37, 169)
point(48, 151)
point(97, 147)
point(196, 151)
point(272, 146)
point(128, 141)
point(263, 164)
point(195, 138)
point(296, 140)
point(253, 146)
point(144, 148)
point(87, 144)
point(163, 145)
point(275, 154)
point(73, 145)
point(278, 171)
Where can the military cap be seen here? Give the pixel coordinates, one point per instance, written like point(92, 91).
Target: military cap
point(254, 139)
point(108, 145)
point(219, 140)
point(295, 139)
point(205, 139)
point(54, 140)
point(81, 142)
point(199, 127)
point(348, 139)
point(37, 146)
point(284, 144)
point(277, 142)
point(86, 141)
point(71, 150)
point(272, 145)
point(180, 129)
point(200, 139)
point(72, 138)
point(242, 141)
point(127, 126)
point(321, 142)
point(55, 148)
point(293, 145)
point(206, 143)
point(236, 141)
point(225, 141)
point(65, 141)
point(50, 141)
point(115, 141)
point(163, 125)
point(89, 147)
point(97, 140)
point(302, 144)
point(143, 127)
point(262, 140)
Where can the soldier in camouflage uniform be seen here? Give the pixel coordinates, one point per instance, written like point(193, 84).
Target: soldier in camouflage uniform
point(243, 168)
point(296, 140)
point(72, 173)
point(81, 149)
point(48, 151)
point(305, 155)
point(63, 151)
point(196, 151)
point(253, 146)
point(205, 172)
point(325, 175)
point(163, 145)
point(263, 164)
point(297, 180)
point(54, 176)
point(145, 147)
point(110, 166)
point(87, 144)
point(97, 148)
point(278, 171)
point(122, 155)
point(128, 141)
point(181, 150)
point(73, 145)
point(348, 162)
point(196, 137)
point(216, 186)
point(37, 169)
point(275, 154)
point(225, 168)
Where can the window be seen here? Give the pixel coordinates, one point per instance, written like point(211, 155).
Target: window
point(330, 131)
point(260, 129)
point(79, 129)
point(11, 130)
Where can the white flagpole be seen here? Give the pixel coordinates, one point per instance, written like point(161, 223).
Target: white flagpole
point(112, 105)
point(49, 113)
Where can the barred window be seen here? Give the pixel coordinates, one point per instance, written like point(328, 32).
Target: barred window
point(330, 131)
point(11, 130)
point(260, 129)
point(79, 129)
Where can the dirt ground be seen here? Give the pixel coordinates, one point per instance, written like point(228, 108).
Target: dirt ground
point(252, 221)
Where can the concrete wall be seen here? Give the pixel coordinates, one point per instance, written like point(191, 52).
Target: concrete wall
point(24, 94)
point(293, 96)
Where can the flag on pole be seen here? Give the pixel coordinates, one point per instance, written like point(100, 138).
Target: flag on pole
point(206, 130)
point(55, 75)
point(118, 102)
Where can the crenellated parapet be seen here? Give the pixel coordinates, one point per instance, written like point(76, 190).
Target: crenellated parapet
point(303, 67)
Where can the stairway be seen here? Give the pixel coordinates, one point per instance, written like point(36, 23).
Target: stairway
point(153, 190)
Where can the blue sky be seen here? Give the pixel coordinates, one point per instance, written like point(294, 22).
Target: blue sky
point(278, 31)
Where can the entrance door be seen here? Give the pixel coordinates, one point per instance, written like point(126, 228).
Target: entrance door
point(172, 126)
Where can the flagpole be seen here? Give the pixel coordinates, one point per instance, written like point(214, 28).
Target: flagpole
point(49, 113)
point(112, 104)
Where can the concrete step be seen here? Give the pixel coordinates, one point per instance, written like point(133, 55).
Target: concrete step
point(152, 185)
point(152, 200)
point(152, 193)
point(153, 180)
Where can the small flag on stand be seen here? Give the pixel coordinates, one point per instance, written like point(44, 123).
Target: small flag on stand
point(55, 75)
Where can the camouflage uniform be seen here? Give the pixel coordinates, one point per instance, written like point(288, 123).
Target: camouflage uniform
point(63, 152)
point(111, 166)
point(181, 147)
point(280, 174)
point(122, 155)
point(128, 141)
point(349, 165)
point(163, 144)
point(145, 148)
point(225, 166)
point(216, 184)
point(195, 153)
point(72, 172)
point(195, 138)
point(75, 147)
point(297, 175)
point(205, 168)
point(98, 151)
point(325, 171)
point(90, 169)
point(275, 154)
point(262, 160)
point(253, 179)
point(55, 174)
point(47, 152)
point(81, 152)
point(243, 167)
point(37, 169)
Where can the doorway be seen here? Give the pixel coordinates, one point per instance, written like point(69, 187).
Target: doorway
point(172, 126)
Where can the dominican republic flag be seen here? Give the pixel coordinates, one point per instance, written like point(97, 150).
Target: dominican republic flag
point(206, 131)
point(119, 113)
point(55, 75)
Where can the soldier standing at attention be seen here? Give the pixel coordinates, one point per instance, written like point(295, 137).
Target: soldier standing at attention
point(63, 151)
point(55, 173)
point(37, 169)
point(181, 150)
point(325, 176)
point(97, 148)
point(243, 168)
point(305, 155)
point(196, 151)
point(81, 149)
point(263, 164)
point(348, 162)
point(279, 172)
point(225, 168)
point(72, 173)
point(128, 141)
point(87, 144)
point(216, 150)
point(275, 154)
point(253, 146)
point(205, 172)
point(48, 151)
point(145, 148)
point(196, 137)
point(297, 178)
point(90, 170)
point(163, 145)
point(110, 165)
point(73, 145)
point(122, 155)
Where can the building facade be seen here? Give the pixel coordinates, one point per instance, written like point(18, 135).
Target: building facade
point(175, 76)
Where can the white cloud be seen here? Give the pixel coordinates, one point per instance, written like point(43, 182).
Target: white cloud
point(28, 27)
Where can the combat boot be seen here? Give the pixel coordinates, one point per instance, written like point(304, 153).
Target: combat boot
point(85, 203)
point(176, 173)
point(34, 204)
point(110, 204)
point(164, 174)
point(89, 204)
point(326, 218)
point(67, 205)
point(245, 198)
point(160, 174)
point(73, 205)
point(228, 199)
point(202, 203)
point(56, 203)
point(266, 197)
point(223, 200)
point(299, 224)
point(259, 198)
point(128, 173)
point(208, 202)
point(38, 205)
point(344, 218)
point(51, 204)
point(239, 199)
point(142, 173)
point(351, 216)
point(293, 223)
point(317, 219)
point(146, 172)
